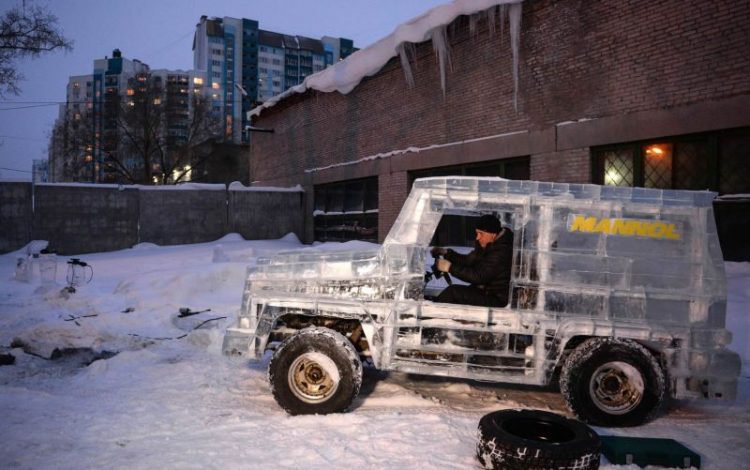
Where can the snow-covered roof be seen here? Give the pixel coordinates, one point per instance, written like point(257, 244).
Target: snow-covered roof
point(345, 75)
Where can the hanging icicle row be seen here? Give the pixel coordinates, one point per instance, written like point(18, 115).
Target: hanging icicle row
point(403, 51)
point(491, 14)
point(440, 45)
point(473, 21)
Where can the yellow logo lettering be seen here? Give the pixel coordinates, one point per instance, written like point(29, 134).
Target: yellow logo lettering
point(624, 227)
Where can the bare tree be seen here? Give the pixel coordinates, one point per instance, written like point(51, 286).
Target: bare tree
point(26, 32)
point(157, 129)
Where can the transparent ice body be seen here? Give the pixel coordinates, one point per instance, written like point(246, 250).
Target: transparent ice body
point(588, 261)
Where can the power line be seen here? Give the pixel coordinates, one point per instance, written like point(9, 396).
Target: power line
point(13, 169)
point(30, 106)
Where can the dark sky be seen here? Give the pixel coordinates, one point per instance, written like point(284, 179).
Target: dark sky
point(160, 33)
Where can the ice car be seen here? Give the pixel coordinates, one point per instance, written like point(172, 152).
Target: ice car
point(617, 293)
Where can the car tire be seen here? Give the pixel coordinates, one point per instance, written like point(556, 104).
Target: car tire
point(315, 371)
point(523, 439)
point(613, 382)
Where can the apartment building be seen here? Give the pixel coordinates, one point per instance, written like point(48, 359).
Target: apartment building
point(245, 65)
point(87, 142)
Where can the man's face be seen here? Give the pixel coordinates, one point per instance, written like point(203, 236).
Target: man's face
point(485, 238)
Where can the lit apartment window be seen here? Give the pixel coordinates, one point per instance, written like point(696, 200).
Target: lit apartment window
point(157, 101)
point(198, 80)
point(76, 85)
point(215, 86)
point(130, 92)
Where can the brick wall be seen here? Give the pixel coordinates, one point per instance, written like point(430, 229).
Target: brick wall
point(618, 69)
point(565, 166)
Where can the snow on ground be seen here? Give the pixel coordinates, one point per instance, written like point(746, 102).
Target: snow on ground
point(167, 400)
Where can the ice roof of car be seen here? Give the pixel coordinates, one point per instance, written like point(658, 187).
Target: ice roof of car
point(594, 192)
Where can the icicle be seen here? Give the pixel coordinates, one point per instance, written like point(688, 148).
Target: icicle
point(514, 16)
point(440, 45)
point(491, 14)
point(503, 10)
point(403, 51)
point(473, 20)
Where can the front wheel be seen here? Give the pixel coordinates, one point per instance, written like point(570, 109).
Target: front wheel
point(315, 371)
point(612, 382)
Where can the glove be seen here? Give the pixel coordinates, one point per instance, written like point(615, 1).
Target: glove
point(438, 251)
point(443, 265)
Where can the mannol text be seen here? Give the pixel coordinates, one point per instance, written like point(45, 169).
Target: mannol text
point(623, 227)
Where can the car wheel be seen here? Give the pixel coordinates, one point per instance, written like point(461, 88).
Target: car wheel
point(522, 439)
point(315, 371)
point(612, 382)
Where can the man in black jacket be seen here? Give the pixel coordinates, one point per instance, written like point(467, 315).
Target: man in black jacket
point(487, 268)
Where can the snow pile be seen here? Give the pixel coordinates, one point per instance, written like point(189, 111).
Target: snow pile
point(159, 394)
point(347, 74)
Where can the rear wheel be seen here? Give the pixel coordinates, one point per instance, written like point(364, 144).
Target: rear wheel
point(612, 382)
point(315, 371)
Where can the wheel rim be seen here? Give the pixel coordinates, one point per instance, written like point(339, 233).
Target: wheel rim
point(313, 378)
point(616, 387)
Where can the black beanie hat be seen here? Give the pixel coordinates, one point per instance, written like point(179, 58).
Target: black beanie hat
point(489, 223)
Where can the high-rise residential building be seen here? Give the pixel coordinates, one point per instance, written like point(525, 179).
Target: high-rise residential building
point(245, 65)
point(111, 78)
point(70, 153)
point(87, 142)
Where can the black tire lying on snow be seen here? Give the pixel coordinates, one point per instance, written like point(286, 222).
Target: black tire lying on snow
point(315, 371)
point(533, 439)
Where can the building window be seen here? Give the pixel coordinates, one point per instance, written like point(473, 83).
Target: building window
point(347, 210)
point(717, 161)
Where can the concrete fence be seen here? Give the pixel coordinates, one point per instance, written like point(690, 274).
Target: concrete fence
point(86, 218)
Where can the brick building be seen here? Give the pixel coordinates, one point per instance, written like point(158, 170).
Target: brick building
point(630, 93)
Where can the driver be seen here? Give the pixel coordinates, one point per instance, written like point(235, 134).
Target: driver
point(487, 268)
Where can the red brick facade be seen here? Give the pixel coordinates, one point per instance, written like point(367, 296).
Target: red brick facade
point(591, 73)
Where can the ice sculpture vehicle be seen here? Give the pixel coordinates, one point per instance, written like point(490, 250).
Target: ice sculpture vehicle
point(619, 293)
